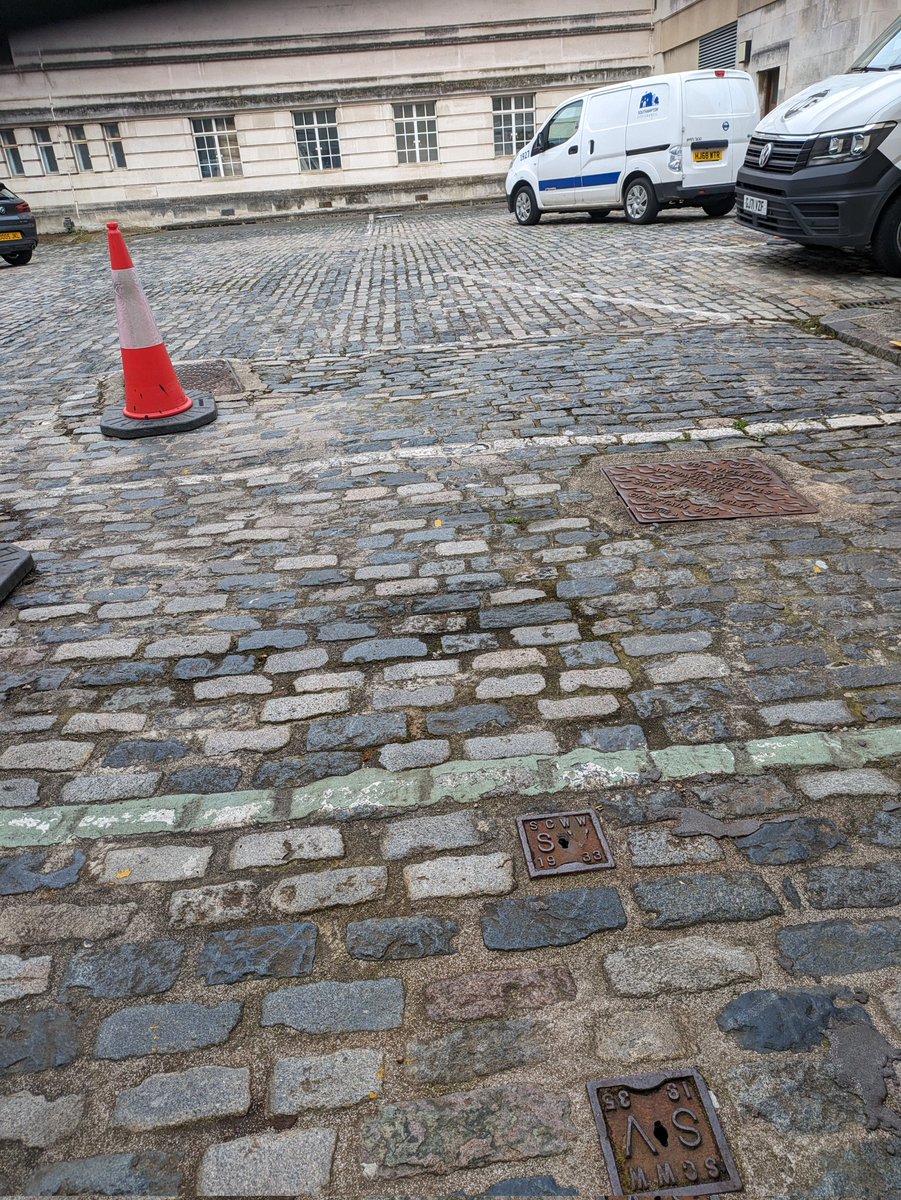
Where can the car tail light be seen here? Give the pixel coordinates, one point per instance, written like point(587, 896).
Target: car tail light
point(23, 207)
point(720, 74)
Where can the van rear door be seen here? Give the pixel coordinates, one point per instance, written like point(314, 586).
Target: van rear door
point(719, 113)
point(604, 148)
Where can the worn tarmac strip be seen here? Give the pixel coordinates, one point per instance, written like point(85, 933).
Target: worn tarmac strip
point(375, 793)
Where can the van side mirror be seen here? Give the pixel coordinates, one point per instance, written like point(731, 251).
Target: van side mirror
point(540, 143)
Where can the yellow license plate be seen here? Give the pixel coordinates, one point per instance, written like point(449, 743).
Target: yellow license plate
point(707, 155)
point(10, 237)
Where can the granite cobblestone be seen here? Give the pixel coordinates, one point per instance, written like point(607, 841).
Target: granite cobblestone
point(408, 507)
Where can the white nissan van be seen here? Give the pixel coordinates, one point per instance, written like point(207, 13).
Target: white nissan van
point(670, 140)
point(824, 168)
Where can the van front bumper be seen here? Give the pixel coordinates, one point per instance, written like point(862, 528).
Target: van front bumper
point(827, 206)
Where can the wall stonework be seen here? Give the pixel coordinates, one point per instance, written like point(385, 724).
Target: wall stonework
point(153, 70)
point(805, 41)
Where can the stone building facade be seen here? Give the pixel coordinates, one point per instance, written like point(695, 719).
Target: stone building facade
point(193, 111)
point(784, 44)
point(180, 112)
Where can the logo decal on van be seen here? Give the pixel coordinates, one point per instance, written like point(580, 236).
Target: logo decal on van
point(814, 98)
point(649, 100)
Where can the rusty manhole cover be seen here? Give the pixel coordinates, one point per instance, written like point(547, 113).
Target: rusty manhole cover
point(562, 843)
point(213, 375)
point(662, 1132)
point(705, 490)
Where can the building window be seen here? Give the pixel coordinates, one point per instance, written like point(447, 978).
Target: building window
point(416, 131)
point(44, 143)
point(316, 131)
point(719, 48)
point(80, 150)
point(114, 147)
point(11, 152)
point(514, 123)
point(217, 146)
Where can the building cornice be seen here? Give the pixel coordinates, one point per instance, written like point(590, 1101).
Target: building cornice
point(203, 102)
point(299, 46)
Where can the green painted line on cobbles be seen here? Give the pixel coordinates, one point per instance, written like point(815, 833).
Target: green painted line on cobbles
point(373, 792)
point(369, 790)
point(681, 762)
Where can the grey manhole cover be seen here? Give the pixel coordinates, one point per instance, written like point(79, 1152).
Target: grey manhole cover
point(704, 490)
point(563, 843)
point(213, 375)
point(662, 1132)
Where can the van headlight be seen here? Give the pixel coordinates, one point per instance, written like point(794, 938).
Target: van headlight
point(848, 145)
point(675, 158)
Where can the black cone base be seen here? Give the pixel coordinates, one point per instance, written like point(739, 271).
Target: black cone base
point(114, 422)
point(15, 564)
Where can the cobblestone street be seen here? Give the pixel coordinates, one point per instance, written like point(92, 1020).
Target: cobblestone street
point(280, 688)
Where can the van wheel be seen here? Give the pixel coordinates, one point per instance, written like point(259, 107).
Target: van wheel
point(599, 214)
point(525, 207)
point(19, 259)
point(640, 203)
point(887, 239)
point(719, 207)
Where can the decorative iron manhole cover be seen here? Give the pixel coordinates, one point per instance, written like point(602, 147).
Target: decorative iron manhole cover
point(704, 490)
point(662, 1132)
point(213, 375)
point(562, 843)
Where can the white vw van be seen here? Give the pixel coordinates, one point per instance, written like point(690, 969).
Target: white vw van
point(642, 145)
point(824, 168)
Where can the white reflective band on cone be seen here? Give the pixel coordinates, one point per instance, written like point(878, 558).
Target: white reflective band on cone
point(137, 328)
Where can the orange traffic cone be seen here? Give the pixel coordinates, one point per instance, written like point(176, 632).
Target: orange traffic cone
point(155, 401)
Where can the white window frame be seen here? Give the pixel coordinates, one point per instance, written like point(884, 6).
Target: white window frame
point(43, 140)
point(81, 151)
point(316, 135)
point(216, 146)
point(416, 132)
point(11, 154)
point(514, 123)
point(114, 148)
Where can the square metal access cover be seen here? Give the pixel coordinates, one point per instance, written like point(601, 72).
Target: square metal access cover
point(213, 375)
point(704, 490)
point(660, 1136)
point(563, 843)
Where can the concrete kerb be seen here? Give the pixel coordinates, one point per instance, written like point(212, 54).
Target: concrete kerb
point(376, 793)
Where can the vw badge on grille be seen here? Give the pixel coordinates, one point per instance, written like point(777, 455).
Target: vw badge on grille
point(765, 151)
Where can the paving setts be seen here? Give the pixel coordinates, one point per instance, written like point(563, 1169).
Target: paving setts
point(278, 690)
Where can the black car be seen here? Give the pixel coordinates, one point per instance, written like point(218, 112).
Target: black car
point(18, 232)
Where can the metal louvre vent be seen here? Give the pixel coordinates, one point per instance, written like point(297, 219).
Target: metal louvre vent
point(719, 48)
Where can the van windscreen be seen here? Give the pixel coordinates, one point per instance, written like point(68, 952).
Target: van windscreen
point(885, 52)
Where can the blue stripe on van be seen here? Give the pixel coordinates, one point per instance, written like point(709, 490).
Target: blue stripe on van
point(576, 181)
point(550, 185)
point(597, 180)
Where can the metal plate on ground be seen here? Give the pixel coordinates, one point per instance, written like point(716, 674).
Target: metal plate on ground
point(704, 490)
point(214, 375)
point(661, 1137)
point(563, 843)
